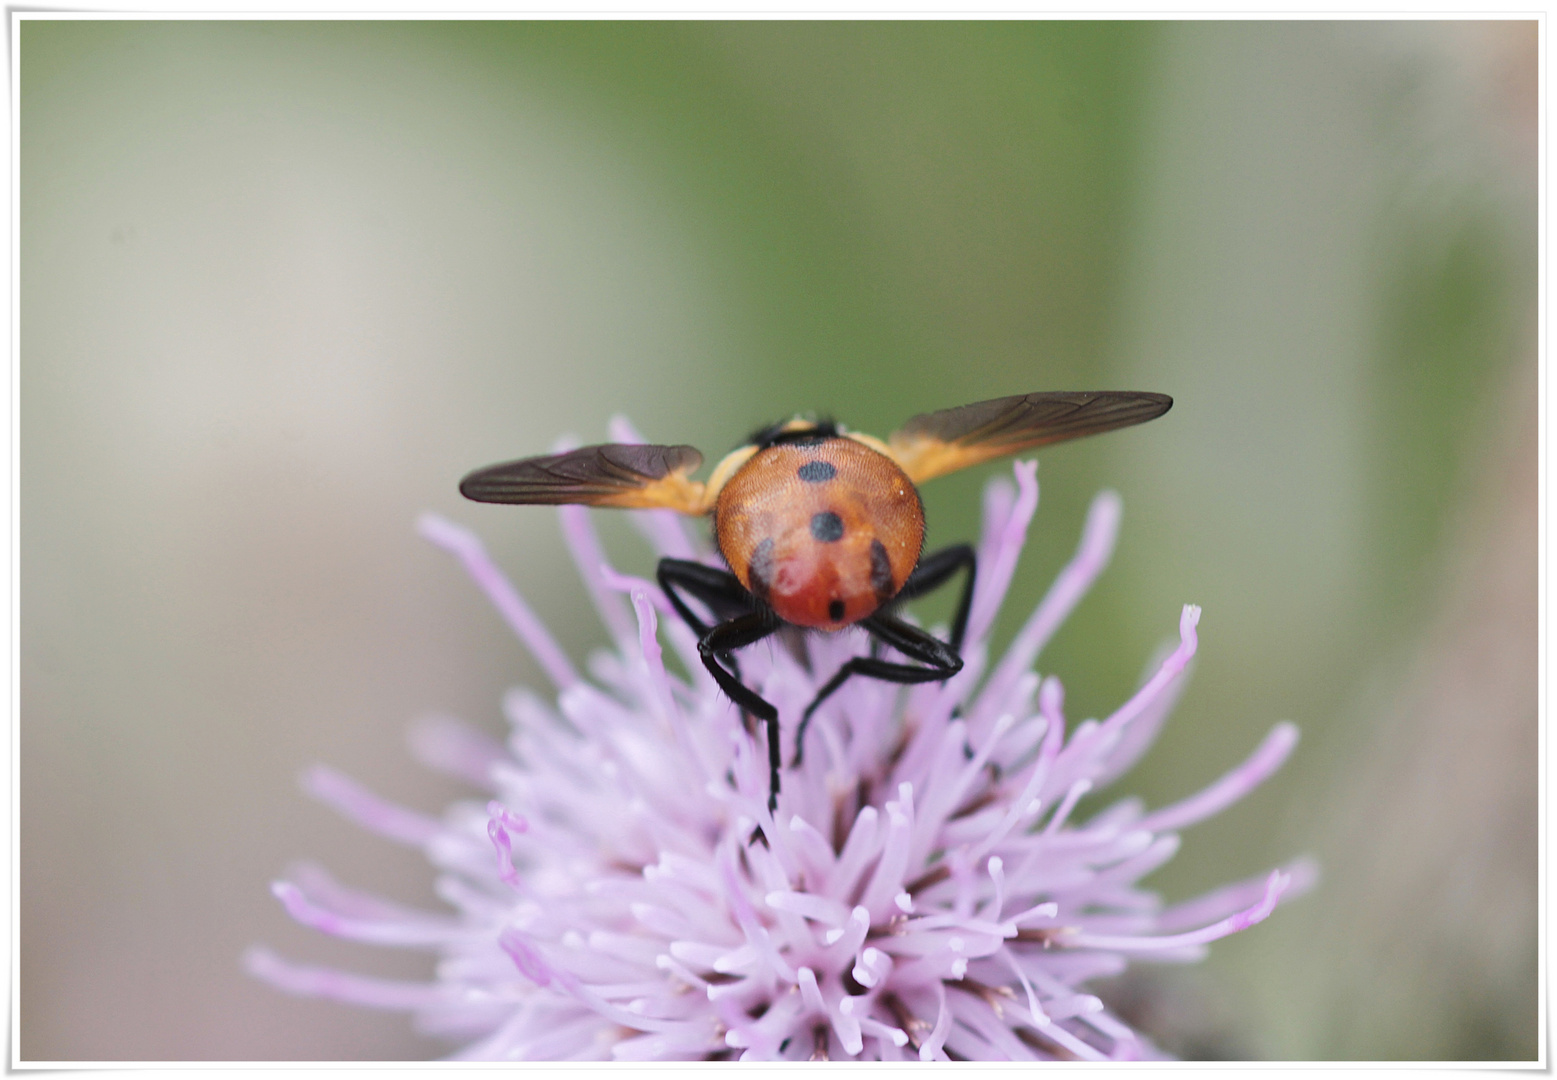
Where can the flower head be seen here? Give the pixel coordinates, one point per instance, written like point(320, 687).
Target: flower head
point(925, 888)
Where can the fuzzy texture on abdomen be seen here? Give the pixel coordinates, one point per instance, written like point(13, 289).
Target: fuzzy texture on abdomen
point(825, 531)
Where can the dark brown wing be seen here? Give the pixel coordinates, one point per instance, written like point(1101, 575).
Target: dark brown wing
point(933, 444)
point(614, 474)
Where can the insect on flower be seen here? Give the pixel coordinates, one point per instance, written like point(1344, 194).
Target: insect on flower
point(821, 527)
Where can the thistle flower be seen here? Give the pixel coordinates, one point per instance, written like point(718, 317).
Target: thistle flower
point(923, 890)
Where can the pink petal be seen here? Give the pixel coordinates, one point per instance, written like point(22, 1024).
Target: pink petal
point(342, 986)
point(998, 561)
point(1275, 885)
point(584, 545)
point(425, 930)
point(368, 810)
point(469, 550)
point(1266, 759)
point(1092, 555)
point(456, 749)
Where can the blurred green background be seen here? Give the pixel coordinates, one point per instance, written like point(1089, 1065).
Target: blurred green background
point(283, 283)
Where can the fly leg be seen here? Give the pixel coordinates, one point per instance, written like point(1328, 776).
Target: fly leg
point(743, 622)
point(721, 590)
point(933, 571)
point(721, 641)
point(940, 661)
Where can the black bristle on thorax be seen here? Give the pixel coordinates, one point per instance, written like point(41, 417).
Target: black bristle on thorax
point(788, 431)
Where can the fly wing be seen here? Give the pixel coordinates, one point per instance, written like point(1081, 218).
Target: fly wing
point(933, 444)
point(632, 476)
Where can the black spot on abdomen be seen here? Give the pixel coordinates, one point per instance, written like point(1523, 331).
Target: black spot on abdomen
point(827, 526)
point(881, 572)
point(835, 611)
point(816, 472)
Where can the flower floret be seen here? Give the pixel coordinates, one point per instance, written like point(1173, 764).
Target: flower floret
point(927, 887)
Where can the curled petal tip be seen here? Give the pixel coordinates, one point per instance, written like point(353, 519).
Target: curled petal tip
point(525, 958)
point(1275, 885)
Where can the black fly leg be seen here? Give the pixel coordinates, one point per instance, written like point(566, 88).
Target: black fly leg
point(720, 641)
point(742, 622)
point(944, 661)
point(933, 571)
point(721, 590)
point(941, 660)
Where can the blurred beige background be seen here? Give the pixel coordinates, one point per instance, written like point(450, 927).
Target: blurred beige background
point(283, 283)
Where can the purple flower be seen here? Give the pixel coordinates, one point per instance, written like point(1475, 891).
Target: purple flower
point(925, 888)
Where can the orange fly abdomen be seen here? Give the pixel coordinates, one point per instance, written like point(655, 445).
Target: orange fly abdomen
point(824, 530)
